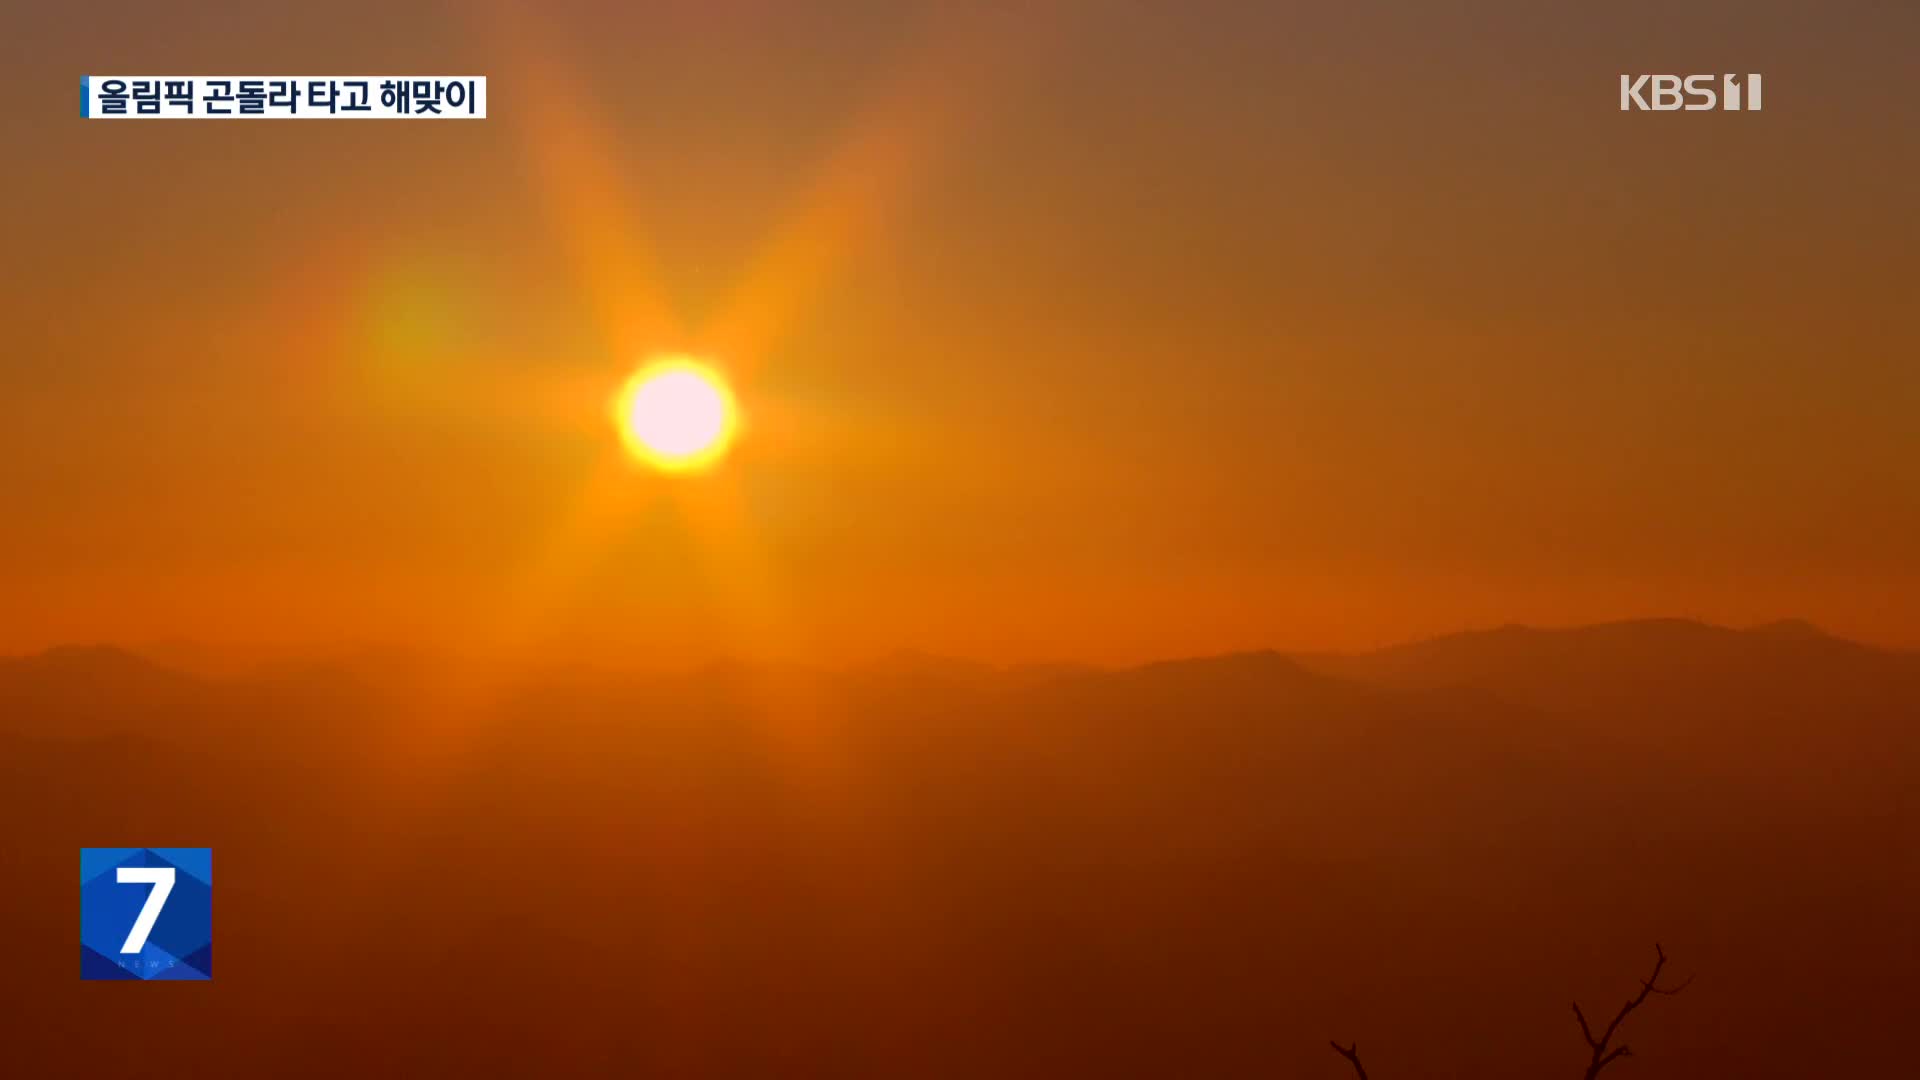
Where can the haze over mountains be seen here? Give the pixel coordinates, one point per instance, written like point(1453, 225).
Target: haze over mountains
point(923, 867)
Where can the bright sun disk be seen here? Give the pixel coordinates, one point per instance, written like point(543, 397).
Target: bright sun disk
point(676, 415)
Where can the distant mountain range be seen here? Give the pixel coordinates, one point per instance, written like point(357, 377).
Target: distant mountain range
point(929, 867)
point(1665, 668)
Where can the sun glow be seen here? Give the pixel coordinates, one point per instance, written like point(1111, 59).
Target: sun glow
point(676, 414)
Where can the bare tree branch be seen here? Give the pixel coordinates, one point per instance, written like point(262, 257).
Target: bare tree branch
point(1605, 1052)
point(1352, 1053)
point(1584, 1029)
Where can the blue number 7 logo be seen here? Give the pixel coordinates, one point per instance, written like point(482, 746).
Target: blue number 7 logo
point(161, 932)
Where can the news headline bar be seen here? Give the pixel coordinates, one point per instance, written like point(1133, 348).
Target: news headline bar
point(283, 97)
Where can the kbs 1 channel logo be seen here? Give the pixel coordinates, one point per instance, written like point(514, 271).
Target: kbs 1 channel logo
point(146, 913)
point(1690, 93)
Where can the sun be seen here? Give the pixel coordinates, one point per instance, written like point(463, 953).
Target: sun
point(676, 414)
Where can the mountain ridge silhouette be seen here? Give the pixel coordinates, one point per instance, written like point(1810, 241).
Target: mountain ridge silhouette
point(93, 660)
point(1196, 866)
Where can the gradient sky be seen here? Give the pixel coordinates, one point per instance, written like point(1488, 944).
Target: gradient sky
point(1098, 330)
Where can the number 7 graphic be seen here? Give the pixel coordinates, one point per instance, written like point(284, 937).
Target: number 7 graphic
point(171, 936)
point(161, 878)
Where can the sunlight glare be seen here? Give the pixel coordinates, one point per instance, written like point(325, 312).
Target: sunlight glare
point(676, 414)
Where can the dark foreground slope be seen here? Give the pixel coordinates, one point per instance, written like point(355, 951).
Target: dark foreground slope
point(1203, 868)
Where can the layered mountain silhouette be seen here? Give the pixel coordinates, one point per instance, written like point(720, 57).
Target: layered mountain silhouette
point(926, 867)
point(1664, 664)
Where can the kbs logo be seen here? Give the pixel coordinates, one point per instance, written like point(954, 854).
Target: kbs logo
point(1693, 93)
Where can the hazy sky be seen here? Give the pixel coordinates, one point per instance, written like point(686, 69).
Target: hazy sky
point(1103, 330)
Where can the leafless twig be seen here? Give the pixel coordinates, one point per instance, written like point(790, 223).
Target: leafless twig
point(1352, 1053)
point(1605, 1052)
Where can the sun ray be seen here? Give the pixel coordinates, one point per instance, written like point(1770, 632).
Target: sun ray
point(946, 85)
point(570, 154)
point(964, 62)
point(940, 88)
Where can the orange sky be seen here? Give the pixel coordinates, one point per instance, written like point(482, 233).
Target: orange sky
point(1101, 332)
